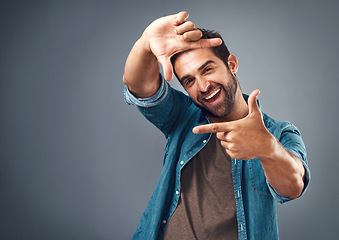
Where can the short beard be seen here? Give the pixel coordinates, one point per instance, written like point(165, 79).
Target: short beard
point(226, 108)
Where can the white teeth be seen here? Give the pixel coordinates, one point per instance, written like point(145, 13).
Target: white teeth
point(213, 94)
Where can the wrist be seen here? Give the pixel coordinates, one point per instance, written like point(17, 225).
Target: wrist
point(270, 147)
point(144, 41)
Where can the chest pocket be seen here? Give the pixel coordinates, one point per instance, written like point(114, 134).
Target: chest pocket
point(257, 177)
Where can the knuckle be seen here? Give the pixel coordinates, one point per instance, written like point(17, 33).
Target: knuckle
point(230, 153)
point(230, 147)
point(201, 43)
point(214, 129)
point(184, 36)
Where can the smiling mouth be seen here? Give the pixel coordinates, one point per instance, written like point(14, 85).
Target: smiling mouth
point(213, 96)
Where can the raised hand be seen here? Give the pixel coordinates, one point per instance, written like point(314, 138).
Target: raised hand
point(172, 34)
point(246, 138)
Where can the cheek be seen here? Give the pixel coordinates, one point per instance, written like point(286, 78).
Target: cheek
point(192, 93)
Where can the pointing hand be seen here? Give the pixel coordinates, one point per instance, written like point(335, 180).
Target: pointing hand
point(246, 138)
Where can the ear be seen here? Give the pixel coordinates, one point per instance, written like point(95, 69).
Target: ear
point(232, 63)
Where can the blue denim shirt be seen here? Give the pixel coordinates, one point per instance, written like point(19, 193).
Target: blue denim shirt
point(175, 114)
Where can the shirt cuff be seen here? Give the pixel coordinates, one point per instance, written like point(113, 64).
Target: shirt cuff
point(151, 101)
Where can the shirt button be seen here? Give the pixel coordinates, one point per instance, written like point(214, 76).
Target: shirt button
point(177, 192)
point(182, 162)
point(164, 221)
point(204, 141)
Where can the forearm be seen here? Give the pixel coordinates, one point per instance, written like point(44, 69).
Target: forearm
point(283, 170)
point(142, 70)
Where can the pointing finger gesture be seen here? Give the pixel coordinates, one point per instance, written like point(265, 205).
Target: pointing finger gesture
point(246, 138)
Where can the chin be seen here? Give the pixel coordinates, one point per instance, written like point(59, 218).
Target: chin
point(216, 114)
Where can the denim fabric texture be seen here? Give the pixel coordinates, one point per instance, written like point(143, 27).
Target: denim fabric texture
point(175, 114)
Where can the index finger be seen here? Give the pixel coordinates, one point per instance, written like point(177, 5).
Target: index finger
point(212, 128)
point(205, 43)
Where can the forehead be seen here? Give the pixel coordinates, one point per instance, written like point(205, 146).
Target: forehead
point(191, 60)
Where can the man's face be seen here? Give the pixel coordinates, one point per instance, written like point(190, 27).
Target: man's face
point(207, 81)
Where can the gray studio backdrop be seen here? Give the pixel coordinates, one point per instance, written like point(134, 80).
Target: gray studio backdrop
point(77, 163)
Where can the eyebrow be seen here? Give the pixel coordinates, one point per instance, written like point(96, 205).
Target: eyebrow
point(205, 64)
point(200, 68)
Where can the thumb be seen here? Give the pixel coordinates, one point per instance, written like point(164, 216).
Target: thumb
point(167, 69)
point(252, 102)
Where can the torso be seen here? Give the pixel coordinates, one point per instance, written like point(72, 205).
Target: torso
point(206, 208)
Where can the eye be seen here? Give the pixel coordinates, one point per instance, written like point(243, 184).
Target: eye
point(188, 82)
point(208, 69)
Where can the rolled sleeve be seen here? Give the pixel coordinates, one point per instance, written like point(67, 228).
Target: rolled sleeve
point(151, 101)
point(292, 142)
point(163, 108)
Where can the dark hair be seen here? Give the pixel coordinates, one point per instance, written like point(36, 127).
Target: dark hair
point(220, 51)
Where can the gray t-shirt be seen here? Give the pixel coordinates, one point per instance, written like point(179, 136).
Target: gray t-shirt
point(206, 208)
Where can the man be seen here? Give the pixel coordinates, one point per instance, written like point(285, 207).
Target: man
point(226, 162)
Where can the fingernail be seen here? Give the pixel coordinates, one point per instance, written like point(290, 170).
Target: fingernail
point(195, 130)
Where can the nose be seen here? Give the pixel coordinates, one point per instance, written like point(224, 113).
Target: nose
point(203, 84)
